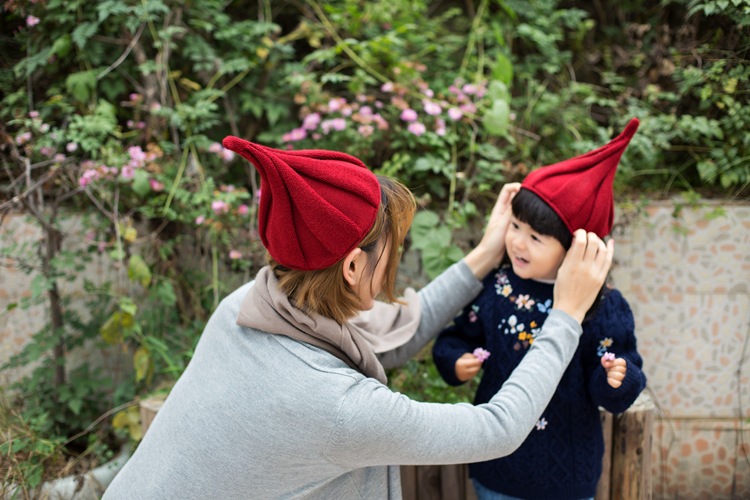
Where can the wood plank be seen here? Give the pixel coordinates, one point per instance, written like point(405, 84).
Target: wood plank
point(631, 451)
point(603, 487)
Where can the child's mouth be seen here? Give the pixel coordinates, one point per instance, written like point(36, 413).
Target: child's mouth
point(521, 260)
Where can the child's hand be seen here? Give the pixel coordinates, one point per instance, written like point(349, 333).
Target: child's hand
point(615, 368)
point(467, 367)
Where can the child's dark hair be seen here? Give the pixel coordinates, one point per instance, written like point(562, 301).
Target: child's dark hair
point(531, 209)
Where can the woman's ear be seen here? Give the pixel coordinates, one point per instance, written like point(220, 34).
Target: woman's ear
point(353, 266)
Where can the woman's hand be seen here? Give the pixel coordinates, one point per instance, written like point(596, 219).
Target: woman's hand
point(582, 273)
point(487, 255)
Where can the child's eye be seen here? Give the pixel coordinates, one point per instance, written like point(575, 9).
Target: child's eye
point(535, 238)
point(515, 225)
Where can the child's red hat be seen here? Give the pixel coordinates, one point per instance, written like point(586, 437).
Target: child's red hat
point(315, 205)
point(579, 190)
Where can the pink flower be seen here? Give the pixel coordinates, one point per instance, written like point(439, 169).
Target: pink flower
point(235, 254)
point(215, 147)
point(127, 172)
point(337, 124)
point(219, 207)
point(71, 146)
point(608, 356)
point(59, 157)
point(47, 151)
point(156, 185)
point(409, 115)
point(200, 220)
point(336, 104)
point(87, 177)
point(32, 21)
point(417, 128)
point(243, 209)
point(481, 354)
point(440, 127)
point(455, 114)
point(227, 155)
point(23, 138)
point(137, 156)
point(387, 87)
point(296, 134)
point(134, 97)
point(311, 121)
point(33, 114)
point(431, 108)
point(365, 130)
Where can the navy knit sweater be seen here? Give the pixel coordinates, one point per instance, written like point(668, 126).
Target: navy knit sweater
point(562, 456)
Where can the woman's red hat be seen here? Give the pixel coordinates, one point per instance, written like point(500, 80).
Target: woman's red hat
point(579, 190)
point(315, 205)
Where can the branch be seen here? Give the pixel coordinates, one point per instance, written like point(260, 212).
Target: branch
point(124, 54)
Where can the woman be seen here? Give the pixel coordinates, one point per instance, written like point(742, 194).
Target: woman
point(285, 396)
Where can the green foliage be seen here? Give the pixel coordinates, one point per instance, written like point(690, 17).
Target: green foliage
point(420, 380)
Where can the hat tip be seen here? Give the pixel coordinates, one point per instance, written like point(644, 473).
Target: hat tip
point(631, 127)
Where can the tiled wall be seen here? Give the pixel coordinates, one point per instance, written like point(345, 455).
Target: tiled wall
point(688, 282)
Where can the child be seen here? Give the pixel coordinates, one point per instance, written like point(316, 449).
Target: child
point(562, 456)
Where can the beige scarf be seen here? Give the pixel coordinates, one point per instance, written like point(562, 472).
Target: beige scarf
point(383, 328)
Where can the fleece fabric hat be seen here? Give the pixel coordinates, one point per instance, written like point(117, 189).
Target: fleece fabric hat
point(579, 190)
point(315, 205)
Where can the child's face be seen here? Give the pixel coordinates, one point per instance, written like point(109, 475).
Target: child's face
point(533, 255)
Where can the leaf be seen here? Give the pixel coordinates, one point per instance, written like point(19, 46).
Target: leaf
point(130, 234)
point(141, 185)
point(424, 222)
point(81, 85)
point(62, 45)
point(142, 363)
point(83, 32)
point(502, 71)
point(497, 119)
point(113, 330)
point(75, 406)
point(139, 271)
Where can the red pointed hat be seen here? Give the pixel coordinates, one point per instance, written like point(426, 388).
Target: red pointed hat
point(315, 205)
point(579, 190)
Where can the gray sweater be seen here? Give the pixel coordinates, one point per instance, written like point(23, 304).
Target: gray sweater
point(259, 416)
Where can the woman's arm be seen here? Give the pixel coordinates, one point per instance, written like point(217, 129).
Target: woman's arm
point(397, 430)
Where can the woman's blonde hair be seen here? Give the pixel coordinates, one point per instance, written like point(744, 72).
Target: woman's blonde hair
point(325, 291)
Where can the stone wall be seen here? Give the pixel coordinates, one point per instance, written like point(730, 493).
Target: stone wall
point(688, 282)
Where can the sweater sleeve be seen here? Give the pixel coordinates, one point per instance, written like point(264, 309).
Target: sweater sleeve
point(441, 300)
point(397, 430)
point(464, 335)
point(613, 330)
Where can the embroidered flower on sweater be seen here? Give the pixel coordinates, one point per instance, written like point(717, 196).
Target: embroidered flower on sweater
point(541, 424)
point(544, 307)
point(473, 313)
point(525, 302)
point(513, 327)
point(502, 285)
point(604, 346)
